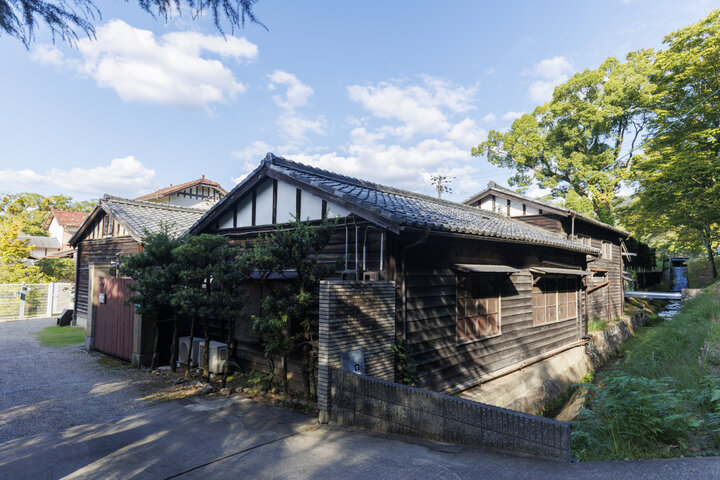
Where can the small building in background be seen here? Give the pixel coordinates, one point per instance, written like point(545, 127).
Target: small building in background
point(201, 193)
point(62, 224)
point(42, 247)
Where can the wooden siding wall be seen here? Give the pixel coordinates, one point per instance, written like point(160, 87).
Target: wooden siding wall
point(249, 350)
point(546, 221)
point(103, 251)
point(431, 316)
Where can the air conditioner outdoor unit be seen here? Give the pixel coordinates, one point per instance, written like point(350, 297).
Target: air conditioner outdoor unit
point(218, 356)
point(184, 346)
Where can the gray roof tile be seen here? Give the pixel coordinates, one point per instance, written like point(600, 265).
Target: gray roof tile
point(139, 216)
point(417, 210)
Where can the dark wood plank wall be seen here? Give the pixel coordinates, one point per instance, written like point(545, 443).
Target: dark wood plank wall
point(431, 317)
point(598, 306)
point(547, 221)
point(249, 351)
point(103, 251)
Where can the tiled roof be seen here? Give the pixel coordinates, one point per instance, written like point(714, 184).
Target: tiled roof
point(566, 211)
point(176, 188)
point(67, 217)
point(41, 242)
point(404, 208)
point(139, 216)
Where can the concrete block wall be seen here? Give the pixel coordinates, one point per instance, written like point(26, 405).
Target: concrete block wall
point(388, 407)
point(354, 316)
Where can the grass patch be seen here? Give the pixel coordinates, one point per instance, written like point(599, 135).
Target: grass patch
point(596, 325)
point(699, 273)
point(57, 337)
point(663, 398)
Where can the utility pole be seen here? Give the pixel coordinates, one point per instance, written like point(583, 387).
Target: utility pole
point(441, 184)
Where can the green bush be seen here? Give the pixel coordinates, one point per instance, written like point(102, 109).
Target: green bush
point(630, 414)
point(664, 397)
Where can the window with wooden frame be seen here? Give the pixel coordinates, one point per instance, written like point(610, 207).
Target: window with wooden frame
point(478, 307)
point(554, 299)
point(606, 248)
point(584, 239)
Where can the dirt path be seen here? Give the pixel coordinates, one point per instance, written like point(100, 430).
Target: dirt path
point(45, 389)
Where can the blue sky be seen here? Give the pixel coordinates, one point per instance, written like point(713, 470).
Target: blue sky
point(391, 92)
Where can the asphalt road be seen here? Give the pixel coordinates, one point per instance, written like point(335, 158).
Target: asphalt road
point(239, 438)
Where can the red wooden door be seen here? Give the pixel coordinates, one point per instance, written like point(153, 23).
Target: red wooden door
point(115, 318)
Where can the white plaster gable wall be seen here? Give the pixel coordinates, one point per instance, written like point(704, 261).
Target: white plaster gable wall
point(56, 231)
point(310, 206)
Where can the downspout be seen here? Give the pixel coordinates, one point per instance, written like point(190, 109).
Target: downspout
point(404, 249)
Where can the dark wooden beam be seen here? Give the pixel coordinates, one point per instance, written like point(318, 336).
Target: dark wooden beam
point(235, 215)
point(298, 203)
point(274, 210)
point(324, 209)
point(254, 204)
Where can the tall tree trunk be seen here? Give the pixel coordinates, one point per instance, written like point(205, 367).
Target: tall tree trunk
point(306, 366)
point(206, 351)
point(230, 341)
point(155, 359)
point(174, 345)
point(711, 257)
point(285, 372)
point(190, 348)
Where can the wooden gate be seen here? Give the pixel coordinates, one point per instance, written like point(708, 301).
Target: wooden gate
point(115, 318)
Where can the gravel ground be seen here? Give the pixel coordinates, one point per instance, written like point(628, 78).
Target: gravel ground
point(45, 389)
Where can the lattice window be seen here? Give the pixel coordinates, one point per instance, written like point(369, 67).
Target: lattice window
point(478, 307)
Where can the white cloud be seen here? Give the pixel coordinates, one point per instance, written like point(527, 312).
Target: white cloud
point(512, 115)
point(550, 72)
point(169, 70)
point(466, 133)
point(123, 176)
point(294, 125)
point(490, 117)
point(297, 93)
point(414, 130)
point(47, 55)
point(420, 109)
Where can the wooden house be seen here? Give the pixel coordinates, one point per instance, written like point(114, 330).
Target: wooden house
point(476, 291)
point(114, 228)
point(201, 193)
point(604, 288)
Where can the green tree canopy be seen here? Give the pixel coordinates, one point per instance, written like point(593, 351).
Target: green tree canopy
point(678, 173)
point(30, 209)
point(576, 141)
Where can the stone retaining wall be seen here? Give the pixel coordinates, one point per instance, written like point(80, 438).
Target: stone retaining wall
point(388, 407)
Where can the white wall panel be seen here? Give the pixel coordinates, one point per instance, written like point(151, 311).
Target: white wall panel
point(244, 211)
point(310, 207)
point(286, 202)
point(264, 202)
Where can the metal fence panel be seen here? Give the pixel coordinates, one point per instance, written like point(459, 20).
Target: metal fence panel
point(39, 299)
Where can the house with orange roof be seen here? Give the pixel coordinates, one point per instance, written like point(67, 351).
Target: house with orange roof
point(62, 224)
point(201, 193)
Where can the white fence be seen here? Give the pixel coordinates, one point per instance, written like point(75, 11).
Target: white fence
point(33, 300)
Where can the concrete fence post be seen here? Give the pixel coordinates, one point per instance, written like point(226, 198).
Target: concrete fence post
point(50, 299)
